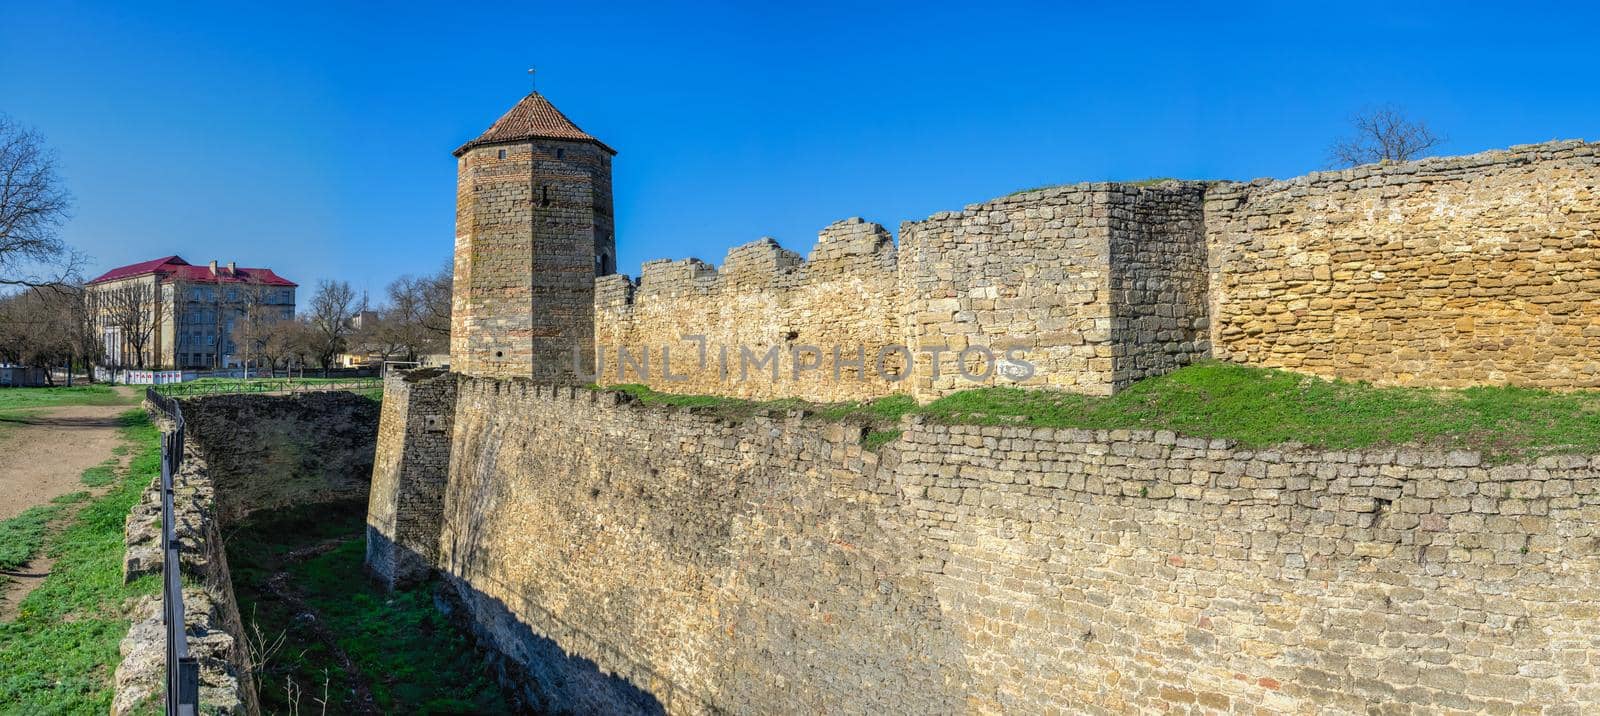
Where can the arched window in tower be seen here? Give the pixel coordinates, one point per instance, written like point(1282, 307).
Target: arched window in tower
point(604, 265)
point(561, 154)
point(544, 195)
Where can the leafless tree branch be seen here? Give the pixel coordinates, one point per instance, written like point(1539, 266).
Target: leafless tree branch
point(1383, 134)
point(33, 205)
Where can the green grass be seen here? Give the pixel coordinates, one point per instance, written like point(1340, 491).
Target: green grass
point(18, 404)
point(27, 398)
point(59, 655)
point(21, 536)
point(412, 659)
point(101, 475)
point(215, 386)
point(1252, 406)
point(875, 439)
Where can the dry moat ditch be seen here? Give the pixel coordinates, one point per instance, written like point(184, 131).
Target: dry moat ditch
point(319, 630)
point(290, 476)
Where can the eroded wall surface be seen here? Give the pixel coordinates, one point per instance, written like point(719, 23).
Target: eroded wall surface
point(630, 559)
point(1083, 287)
point(769, 323)
point(268, 451)
point(1160, 318)
point(1028, 271)
point(410, 467)
point(1456, 271)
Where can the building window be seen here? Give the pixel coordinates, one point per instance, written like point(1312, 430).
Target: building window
point(561, 154)
point(544, 195)
point(502, 154)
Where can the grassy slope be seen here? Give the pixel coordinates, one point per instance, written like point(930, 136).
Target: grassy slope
point(1253, 406)
point(60, 653)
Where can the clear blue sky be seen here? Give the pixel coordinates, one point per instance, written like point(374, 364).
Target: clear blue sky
point(316, 138)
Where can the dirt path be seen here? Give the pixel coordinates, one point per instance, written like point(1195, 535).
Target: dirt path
point(44, 453)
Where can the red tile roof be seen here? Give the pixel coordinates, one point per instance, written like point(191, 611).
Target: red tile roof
point(533, 118)
point(174, 267)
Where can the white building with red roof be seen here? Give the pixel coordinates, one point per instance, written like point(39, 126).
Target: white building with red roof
point(169, 313)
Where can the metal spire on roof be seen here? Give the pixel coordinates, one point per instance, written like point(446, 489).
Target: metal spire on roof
point(533, 84)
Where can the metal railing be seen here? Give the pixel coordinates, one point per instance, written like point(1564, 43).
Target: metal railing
point(265, 385)
point(183, 671)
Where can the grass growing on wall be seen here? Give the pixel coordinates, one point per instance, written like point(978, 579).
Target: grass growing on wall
point(60, 653)
point(1254, 406)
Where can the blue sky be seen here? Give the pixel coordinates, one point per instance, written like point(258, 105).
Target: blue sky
point(316, 138)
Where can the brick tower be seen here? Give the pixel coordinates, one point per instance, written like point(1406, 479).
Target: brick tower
point(533, 230)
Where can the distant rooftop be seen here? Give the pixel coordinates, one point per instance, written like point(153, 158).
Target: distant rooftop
point(175, 268)
point(533, 118)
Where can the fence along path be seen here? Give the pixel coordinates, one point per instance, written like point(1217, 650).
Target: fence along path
point(183, 672)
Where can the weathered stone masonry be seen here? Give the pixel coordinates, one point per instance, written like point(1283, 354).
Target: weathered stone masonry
point(409, 474)
point(242, 453)
point(1097, 284)
point(843, 296)
point(626, 558)
point(533, 229)
point(1444, 272)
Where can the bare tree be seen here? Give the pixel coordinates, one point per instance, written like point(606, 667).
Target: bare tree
point(278, 347)
point(300, 341)
point(33, 204)
point(39, 328)
point(83, 335)
point(332, 308)
point(1383, 135)
point(434, 293)
point(415, 320)
point(131, 309)
point(254, 322)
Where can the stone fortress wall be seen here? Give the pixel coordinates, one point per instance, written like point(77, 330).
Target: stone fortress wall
point(764, 297)
point(1446, 272)
point(674, 560)
point(242, 454)
point(619, 558)
point(1443, 272)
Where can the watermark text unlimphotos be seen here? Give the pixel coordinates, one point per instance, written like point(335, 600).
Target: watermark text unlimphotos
point(799, 362)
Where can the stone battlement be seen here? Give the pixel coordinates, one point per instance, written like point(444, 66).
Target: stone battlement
point(1447, 271)
point(763, 298)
